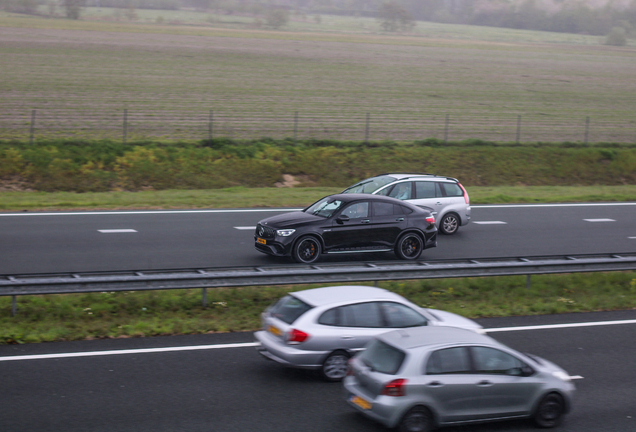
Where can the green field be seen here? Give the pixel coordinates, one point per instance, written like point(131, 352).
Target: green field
point(440, 81)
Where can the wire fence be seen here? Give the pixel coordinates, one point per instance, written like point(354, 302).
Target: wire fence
point(129, 125)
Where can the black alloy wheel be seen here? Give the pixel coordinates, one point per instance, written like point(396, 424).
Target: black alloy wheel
point(418, 419)
point(550, 411)
point(449, 224)
point(306, 250)
point(409, 246)
point(335, 366)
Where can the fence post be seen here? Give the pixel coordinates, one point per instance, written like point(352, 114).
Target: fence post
point(587, 128)
point(125, 124)
point(295, 127)
point(518, 128)
point(32, 128)
point(210, 125)
point(366, 130)
point(446, 128)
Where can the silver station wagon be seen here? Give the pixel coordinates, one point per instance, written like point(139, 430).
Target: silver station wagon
point(417, 379)
point(322, 328)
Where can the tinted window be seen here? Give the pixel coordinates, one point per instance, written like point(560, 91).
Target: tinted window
point(448, 361)
point(383, 209)
point(425, 190)
point(401, 191)
point(382, 357)
point(288, 309)
point(361, 315)
point(452, 189)
point(331, 317)
point(405, 210)
point(398, 315)
point(493, 361)
point(357, 210)
point(370, 185)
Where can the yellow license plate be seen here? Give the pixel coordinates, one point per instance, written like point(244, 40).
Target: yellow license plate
point(274, 330)
point(361, 402)
point(261, 241)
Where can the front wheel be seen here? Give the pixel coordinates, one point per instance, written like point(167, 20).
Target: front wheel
point(418, 419)
point(449, 224)
point(550, 411)
point(306, 250)
point(409, 246)
point(334, 368)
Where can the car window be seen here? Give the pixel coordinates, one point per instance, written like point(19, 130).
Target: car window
point(425, 189)
point(382, 357)
point(357, 210)
point(401, 191)
point(370, 185)
point(288, 309)
point(330, 317)
point(448, 361)
point(493, 361)
point(398, 315)
point(361, 315)
point(324, 208)
point(383, 209)
point(452, 189)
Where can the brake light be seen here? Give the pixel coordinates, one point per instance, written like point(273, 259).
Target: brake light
point(296, 336)
point(430, 220)
point(466, 197)
point(395, 388)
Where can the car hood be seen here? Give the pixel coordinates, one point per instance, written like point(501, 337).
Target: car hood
point(443, 318)
point(290, 220)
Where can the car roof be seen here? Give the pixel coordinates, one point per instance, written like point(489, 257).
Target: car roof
point(402, 176)
point(344, 294)
point(347, 197)
point(434, 336)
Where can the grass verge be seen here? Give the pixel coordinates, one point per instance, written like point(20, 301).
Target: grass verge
point(136, 314)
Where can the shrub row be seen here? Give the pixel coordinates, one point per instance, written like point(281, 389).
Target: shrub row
point(94, 166)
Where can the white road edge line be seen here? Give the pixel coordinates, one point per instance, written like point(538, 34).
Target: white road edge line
point(490, 222)
point(599, 220)
point(111, 231)
point(254, 344)
point(245, 228)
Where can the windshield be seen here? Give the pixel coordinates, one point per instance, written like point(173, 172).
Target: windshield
point(370, 185)
point(324, 207)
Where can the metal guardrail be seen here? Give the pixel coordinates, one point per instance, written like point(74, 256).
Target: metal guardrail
point(18, 285)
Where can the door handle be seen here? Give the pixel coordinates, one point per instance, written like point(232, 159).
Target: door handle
point(400, 219)
point(435, 384)
point(346, 337)
point(484, 383)
point(366, 221)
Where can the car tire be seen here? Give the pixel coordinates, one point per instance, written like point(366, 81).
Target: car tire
point(306, 250)
point(549, 411)
point(449, 224)
point(334, 368)
point(417, 419)
point(409, 246)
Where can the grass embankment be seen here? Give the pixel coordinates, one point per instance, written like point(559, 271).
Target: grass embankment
point(136, 314)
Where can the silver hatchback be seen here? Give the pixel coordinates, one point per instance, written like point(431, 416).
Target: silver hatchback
point(444, 196)
point(418, 379)
point(322, 328)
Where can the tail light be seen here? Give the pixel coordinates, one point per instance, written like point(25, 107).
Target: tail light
point(466, 197)
point(296, 336)
point(431, 220)
point(395, 388)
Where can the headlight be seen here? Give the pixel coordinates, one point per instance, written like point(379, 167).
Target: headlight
point(285, 232)
point(561, 375)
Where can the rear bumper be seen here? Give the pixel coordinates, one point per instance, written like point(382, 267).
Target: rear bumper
point(290, 356)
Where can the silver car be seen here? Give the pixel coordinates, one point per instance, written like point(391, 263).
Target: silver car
point(322, 328)
point(445, 196)
point(417, 379)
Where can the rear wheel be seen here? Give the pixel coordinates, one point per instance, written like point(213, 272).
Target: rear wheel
point(550, 411)
point(306, 250)
point(418, 419)
point(334, 368)
point(449, 224)
point(409, 246)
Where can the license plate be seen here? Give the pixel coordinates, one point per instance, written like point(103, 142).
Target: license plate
point(357, 400)
point(274, 330)
point(261, 241)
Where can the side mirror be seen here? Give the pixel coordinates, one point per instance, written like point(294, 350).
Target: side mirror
point(342, 219)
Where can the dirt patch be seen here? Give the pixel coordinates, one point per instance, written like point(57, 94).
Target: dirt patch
point(14, 184)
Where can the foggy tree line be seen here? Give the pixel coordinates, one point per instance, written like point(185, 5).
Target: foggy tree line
point(400, 15)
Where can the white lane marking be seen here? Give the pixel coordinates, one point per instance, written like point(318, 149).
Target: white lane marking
point(554, 205)
point(111, 231)
point(490, 223)
point(633, 238)
point(599, 220)
point(254, 344)
point(245, 228)
point(576, 377)
point(144, 212)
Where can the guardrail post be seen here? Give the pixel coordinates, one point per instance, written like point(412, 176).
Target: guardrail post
point(527, 281)
point(204, 301)
point(14, 306)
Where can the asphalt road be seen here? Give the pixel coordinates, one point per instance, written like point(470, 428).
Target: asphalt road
point(234, 389)
point(102, 241)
